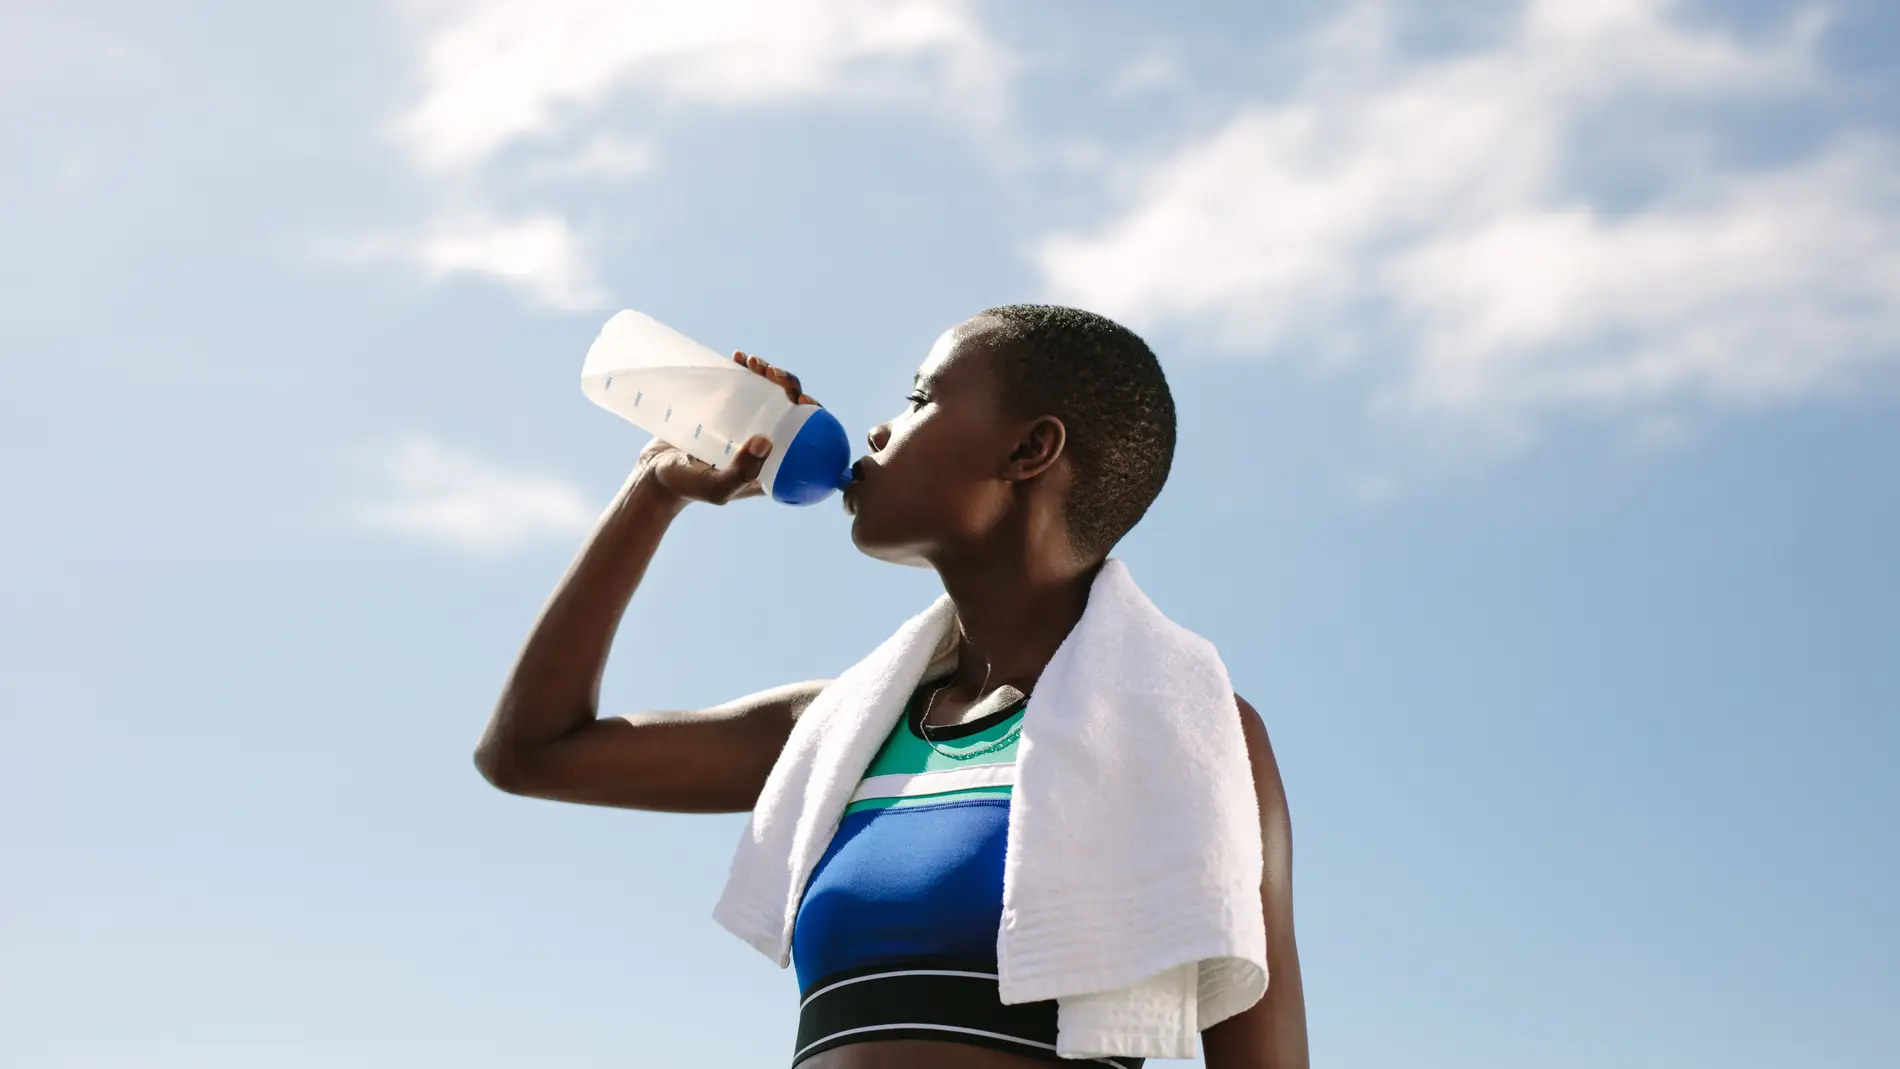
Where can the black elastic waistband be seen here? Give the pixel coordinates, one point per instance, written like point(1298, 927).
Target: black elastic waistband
point(948, 1003)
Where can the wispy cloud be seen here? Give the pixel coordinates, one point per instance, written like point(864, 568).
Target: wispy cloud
point(579, 89)
point(608, 157)
point(538, 254)
point(1432, 211)
point(497, 71)
point(437, 493)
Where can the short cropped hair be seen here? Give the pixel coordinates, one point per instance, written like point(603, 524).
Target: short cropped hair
point(1105, 385)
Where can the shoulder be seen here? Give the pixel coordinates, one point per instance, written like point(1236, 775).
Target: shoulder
point(1266, 770)
point(1253, 727)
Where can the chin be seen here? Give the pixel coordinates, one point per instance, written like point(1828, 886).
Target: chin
point(906, 555)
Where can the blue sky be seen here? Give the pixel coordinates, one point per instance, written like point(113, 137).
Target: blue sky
point(1537, 371)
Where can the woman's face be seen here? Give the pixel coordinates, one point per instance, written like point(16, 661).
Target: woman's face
point(933, 479)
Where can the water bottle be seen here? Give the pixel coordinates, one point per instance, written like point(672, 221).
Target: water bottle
point(707, 406)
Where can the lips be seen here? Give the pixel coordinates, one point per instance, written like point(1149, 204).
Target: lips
point(851, 488)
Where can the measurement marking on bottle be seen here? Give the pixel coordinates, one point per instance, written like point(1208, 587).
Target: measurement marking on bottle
point(668, 418)
point(728, 447)
point(609, 384)
point(697, 427)
point(638, 396)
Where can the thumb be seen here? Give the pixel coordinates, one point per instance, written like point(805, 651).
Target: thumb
point(745, 468)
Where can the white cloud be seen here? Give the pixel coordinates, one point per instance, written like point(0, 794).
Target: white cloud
point(1754, 289)
point(538, 77)
point(495, 71)
point(439, 494)
point(538, 254)
point(1428, 211)
point(606, 157)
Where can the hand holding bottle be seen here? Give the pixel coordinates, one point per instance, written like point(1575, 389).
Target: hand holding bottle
point(688, 479)
point(715, 412)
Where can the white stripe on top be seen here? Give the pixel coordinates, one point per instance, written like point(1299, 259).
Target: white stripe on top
point(912, 784)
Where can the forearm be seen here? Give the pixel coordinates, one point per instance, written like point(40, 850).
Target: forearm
point(555, 685)
point(1271, 1035)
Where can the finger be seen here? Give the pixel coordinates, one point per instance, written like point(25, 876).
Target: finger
point(755, 365)
point(745, 468)
point(776, 374)
point(785, 379)
point(794, 389)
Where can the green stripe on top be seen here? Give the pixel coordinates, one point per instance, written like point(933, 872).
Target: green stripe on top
point(905, 754)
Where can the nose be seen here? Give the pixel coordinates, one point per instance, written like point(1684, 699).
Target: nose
point(879, 437)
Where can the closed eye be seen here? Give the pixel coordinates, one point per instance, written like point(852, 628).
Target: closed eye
point(917, 400)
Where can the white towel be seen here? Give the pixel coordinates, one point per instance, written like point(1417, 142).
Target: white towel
point(1131, 886)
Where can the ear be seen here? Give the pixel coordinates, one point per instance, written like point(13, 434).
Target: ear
point(1037, 448)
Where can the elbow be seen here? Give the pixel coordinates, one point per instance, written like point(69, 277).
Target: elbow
point(501, 769)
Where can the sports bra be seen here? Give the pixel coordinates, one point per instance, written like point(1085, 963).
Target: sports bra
point(895, 936)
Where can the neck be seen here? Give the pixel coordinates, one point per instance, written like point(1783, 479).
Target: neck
point(1013, 617)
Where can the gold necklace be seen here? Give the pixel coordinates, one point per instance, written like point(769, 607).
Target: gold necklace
point(923, 728)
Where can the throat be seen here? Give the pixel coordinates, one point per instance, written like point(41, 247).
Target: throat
point(1008, 628)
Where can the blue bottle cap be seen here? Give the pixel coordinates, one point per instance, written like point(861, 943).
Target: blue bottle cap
point(816, 462)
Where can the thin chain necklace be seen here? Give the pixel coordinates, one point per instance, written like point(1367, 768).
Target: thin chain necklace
point(923, 728)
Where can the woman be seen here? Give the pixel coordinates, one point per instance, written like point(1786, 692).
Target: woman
point(1034, 438)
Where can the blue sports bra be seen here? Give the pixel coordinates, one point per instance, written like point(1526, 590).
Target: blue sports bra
point(895, 936)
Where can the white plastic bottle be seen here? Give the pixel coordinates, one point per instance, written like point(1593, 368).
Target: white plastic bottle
point(708, 406)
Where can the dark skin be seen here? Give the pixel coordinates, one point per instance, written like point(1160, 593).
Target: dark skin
point(956, 483)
